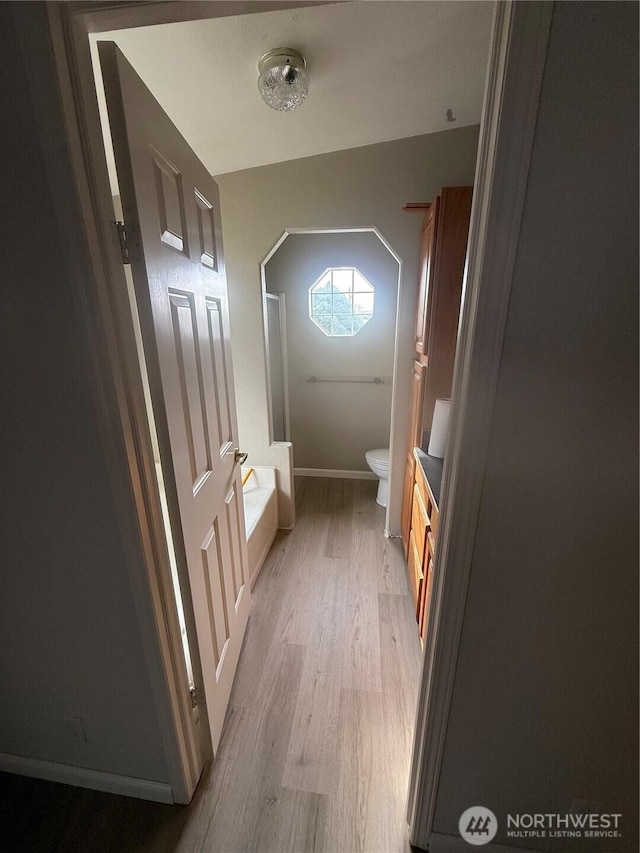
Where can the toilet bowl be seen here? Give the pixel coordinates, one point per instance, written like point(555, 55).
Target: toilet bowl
point(378, 461)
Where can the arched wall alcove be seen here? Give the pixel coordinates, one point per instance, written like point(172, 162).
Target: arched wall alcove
point(337, 411)
point(338, 389)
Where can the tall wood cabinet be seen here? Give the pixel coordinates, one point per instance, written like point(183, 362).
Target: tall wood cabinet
point(443, 249)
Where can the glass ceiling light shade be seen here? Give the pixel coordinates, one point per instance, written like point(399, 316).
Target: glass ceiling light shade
point(283, 82)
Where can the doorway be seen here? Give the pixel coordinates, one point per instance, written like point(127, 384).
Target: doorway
point(409, 300)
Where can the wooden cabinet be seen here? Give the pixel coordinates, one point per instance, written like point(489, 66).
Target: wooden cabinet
point(422, 540)
point(443, 252)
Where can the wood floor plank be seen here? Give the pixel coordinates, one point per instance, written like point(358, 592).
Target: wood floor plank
point(340, 506)
point(359, 817)
point(351, 806)
point(267, 600)
point(361, 652)
point(401, 661)
point(367, 514)
point(392, 577)
point(300, 598)
point(312, 757)
point(361, 663)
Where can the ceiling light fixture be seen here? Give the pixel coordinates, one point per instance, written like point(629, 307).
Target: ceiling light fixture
point(283, 82)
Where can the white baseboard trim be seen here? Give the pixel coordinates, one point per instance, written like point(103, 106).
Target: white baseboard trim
point(81, 777)
point(334, 472)
point(440, 843)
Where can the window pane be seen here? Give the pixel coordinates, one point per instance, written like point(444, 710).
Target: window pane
point(342, 303)
point(325, 323)
point(363, 303)
point(359, 320)
point(320, 303)
point(360, 283)
point(342, 325)
point(343, 281)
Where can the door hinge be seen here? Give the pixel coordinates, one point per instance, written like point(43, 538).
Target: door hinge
point(197, 697)
point(122, 239)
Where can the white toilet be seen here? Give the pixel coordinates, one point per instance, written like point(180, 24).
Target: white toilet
point(378, 461)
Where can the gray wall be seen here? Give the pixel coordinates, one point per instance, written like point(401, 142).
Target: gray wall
point(545, 699)
point(334, 424)
point(69, 641)
point(346, 189)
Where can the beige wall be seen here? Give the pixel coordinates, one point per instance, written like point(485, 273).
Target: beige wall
point(355, 188)
point(70, 645)
point(545, 700)
point(333, 424)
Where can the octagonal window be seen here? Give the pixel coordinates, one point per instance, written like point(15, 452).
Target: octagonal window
point(341, 301)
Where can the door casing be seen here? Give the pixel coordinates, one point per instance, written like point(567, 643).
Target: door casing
point(518, 51)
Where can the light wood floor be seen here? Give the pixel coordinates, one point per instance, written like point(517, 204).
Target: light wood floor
point(315, 750)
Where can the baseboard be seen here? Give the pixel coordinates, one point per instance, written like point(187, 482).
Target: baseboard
point(81, 777)
point(440, 843)
point(334, 472)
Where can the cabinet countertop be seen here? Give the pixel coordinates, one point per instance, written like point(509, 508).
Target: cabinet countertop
point(432, 467)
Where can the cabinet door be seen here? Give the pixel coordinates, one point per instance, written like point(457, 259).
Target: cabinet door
point(427, 266)
point(418, 384)
point(445, 291)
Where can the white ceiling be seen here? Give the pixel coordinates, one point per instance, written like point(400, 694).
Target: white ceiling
point(378, 71)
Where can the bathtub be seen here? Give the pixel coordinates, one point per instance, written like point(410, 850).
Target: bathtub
point(260, 516)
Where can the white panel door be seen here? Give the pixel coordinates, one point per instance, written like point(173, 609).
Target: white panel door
point(172, 217)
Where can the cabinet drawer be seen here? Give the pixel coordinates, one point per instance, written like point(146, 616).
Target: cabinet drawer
point(414, 570)
point(420, 522)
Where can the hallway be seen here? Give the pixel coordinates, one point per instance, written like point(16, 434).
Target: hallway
point(315, 750)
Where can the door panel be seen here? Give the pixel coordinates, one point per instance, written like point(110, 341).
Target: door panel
point(213, 578)
point(191, 385)
point(206, 231)
point(172, 216)
point(221, 385)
